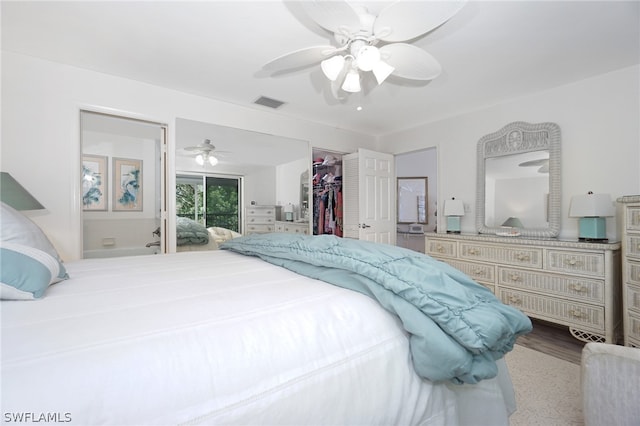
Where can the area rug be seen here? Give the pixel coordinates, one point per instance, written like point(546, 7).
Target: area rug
point(547, 389)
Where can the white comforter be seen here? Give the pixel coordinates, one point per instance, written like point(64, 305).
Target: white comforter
point(219, 338)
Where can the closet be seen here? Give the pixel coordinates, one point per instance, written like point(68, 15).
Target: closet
point(327, 205)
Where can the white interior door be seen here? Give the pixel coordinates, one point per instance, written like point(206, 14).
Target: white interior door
point(369, 192)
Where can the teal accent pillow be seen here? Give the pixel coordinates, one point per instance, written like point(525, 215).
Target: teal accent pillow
point(26, 272)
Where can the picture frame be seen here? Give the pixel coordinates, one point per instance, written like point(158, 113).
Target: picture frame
point(127, 185)
point(412, 200)
point(94, 182)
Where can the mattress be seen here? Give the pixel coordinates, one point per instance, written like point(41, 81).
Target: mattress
point(216, 337)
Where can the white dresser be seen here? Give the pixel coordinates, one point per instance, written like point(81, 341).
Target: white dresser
point(575, 284)
point(260, 219)
point(631, 269)
point(292, 227)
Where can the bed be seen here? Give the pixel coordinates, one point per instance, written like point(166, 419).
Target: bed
point(220, 337)
point(193, 236)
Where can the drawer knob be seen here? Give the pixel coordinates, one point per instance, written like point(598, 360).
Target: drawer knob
point(515, 277)
point(578, 287)
point(479, 271)
point(439, 248)
point(474, 251)
point(523, 257)
point(577, 313)
point(516, 300)
point(572, 262)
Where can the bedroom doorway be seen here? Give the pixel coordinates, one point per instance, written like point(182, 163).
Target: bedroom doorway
point(212, 201)
point(123, 188)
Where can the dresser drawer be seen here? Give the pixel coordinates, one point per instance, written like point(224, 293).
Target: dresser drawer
point(634, 329)
point(292, 228)
point(632, 300)
point(632, 269)
point(255, 228)
point(442, 248)
point(261, 220)
point(261, 211)
point(633, 246)
point(520, 256)
point(576, 262)
point(576, 288)
point(633, 218)
point(477, 271)
point(558, 310)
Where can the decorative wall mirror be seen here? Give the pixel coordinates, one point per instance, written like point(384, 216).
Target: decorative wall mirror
point(412, 196)
point(518, 181)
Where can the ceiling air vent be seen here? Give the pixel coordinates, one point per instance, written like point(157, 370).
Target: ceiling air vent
point(268, 102)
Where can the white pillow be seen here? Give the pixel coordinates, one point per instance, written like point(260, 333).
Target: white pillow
point(26, 272)
point(17, 228)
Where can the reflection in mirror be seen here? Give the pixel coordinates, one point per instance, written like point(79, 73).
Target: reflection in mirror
point(519, 181)
point(269, 166)
point(304, 195)
point(412, 196)
point(517, 186)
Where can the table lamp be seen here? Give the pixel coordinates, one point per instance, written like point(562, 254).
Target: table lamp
point(592, 209)
point(453, 210)
point(14, 194)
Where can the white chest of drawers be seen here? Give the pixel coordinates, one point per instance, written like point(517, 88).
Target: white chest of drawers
point(631, 269)
point(260, 219)
point(571, 283)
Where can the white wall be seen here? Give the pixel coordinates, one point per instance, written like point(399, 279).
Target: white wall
point(600, 124)
point(41, 101)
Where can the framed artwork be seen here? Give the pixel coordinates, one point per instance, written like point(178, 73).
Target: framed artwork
point(127, 185)
point(412, 200)
point(94, 183)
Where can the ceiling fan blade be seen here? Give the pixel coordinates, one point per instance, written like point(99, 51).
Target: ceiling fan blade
point(300, 58)
point(402, 21)
point(334, 16)
point(410, 61)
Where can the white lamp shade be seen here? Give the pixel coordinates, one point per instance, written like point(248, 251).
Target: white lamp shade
point(352, 82)
point(368, 57)
point(331, 67)
point(200, 159)
point(382, 70)
point(591, 205)
point(213, 160)
point(453, 207)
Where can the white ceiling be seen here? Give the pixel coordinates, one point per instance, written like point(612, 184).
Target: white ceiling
point(490, 52)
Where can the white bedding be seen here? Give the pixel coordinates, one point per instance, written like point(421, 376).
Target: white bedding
point(219, 338)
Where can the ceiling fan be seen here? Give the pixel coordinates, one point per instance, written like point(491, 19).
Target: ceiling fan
point(370, 43)
point(204, 153)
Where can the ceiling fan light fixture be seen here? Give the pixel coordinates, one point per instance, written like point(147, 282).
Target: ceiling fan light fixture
point(200, 159)
point(213, 160)
point(382, 70)
point(368, 58)
point(352, 82)
point(331, 67)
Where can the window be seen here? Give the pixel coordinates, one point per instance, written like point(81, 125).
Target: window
point(209, 200)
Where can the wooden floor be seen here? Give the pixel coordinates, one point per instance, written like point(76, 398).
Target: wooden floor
point(553, 340)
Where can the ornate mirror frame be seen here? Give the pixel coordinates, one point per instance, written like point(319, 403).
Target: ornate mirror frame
point(514, 138)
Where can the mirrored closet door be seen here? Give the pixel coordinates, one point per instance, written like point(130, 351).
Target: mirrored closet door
point(123, 194)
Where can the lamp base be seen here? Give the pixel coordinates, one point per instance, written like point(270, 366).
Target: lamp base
point(453, 224)
point(593, 240)
point(593, 229)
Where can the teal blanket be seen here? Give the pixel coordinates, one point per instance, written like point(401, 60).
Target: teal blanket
point(457, 328)
point(190, 232)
